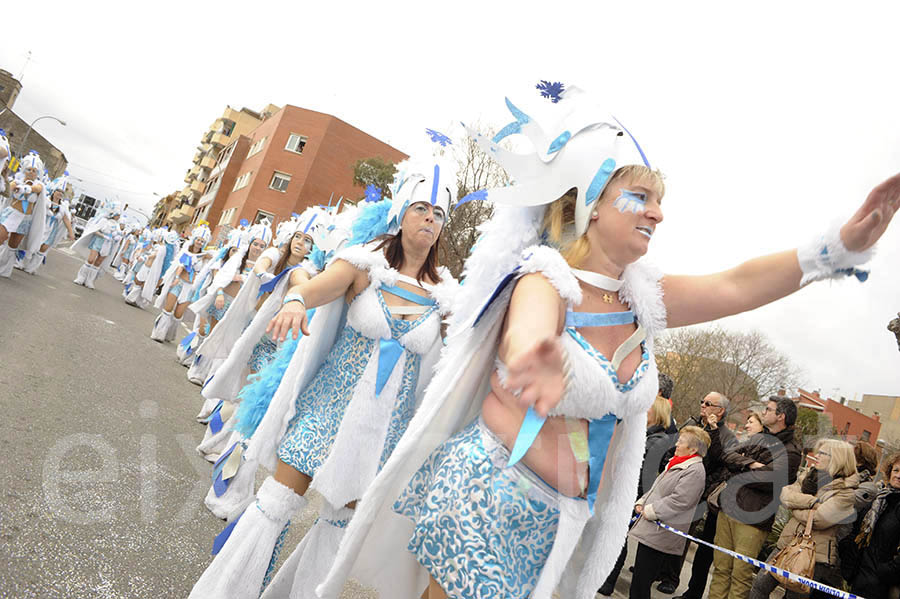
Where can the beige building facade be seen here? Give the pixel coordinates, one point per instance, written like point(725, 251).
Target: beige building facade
point(219, 135)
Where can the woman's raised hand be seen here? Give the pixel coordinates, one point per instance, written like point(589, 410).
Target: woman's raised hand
point(539, 372)
point(291, 318)
point(871, 220)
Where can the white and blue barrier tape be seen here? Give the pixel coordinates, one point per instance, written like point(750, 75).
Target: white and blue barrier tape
point(768, 567)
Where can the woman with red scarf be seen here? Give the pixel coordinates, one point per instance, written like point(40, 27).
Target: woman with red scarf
point(671, 500)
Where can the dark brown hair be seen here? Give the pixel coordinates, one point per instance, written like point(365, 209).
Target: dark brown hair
point(285, 255)
point(393, 253)
point(866, 457)
point(887, 464)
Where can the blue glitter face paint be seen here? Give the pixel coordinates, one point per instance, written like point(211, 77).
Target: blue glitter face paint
point(606, 169)
point(631, 201)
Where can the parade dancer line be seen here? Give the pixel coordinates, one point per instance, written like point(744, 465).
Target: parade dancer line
point(24, 218)
point(177, 285)
point(348, 394)
point(549, 369)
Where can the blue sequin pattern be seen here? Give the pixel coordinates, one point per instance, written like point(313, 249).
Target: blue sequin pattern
point(607, 366)
point(481, 530)
point(263, 353)
point(321, 406)
point(212, 312)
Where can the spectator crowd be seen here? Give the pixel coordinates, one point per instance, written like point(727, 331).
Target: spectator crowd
point(833, 513)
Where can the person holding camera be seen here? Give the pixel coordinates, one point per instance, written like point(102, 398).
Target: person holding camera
point(713, 410)
point(759, 468)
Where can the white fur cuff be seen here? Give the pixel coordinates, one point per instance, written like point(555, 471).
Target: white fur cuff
point(826, 257)
point(278, 502)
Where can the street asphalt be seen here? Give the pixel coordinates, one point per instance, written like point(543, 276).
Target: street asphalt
point(101, 490)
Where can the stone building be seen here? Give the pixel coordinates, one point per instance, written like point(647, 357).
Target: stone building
point(17, 129)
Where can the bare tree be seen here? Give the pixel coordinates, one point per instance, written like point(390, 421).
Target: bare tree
point(894, 327)
point(475, 171)
point(745, 367)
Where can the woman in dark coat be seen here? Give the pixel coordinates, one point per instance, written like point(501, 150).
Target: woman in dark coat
point(879, 538)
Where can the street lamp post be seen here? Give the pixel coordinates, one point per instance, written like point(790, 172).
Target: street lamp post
point(31, 126)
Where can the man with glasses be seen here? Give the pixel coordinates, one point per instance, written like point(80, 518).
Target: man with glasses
point(713, 410)
point(760, 469)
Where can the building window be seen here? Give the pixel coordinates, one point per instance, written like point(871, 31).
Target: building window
point(256, 147)
point(280, 181)
point(242, 181)
point(296, 143)
point(260, 215)
point(227, 216)
point(866, 435)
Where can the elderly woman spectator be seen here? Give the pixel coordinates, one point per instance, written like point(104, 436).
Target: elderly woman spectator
point(671, 500)
point(827, 493)
point(878, 569)
point(754, 424)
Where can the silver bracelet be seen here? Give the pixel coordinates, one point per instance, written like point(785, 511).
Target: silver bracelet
point(294, 297)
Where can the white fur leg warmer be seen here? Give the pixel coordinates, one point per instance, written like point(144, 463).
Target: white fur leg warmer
point(237, 572)
point(308, 565)
point(161, 327)
point(82, 274)
point(34, 262)
point(7, 260)
point(214, 444)
point(173, 330)
point(208, 406)
point(91, 276)
point(237, 496)
point(133, 296)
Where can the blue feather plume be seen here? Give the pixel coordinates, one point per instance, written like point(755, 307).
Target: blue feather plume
point(170, 254)
point(317, 257)
point(371, 222)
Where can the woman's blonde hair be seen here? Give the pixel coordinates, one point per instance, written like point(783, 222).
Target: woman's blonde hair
point(560, 215)
point(843, 461)
point(660, 412)
point(697, 438)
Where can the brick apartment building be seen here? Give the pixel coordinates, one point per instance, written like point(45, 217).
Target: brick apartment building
point(850, 423)
point(296, 158)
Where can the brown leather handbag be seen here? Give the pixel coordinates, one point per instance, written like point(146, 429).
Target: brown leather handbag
point(798, 557)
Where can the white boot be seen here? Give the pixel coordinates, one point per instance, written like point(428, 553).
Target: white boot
point(81, 277)
point(208, 406)
point(237, 572)
point(21, 261)
point(173, 329)
point(161, 327)
point(213, 444)
point(309, 564)
point(7, 260)
point(34, 262)
point(133, 296)
point(238, 494)
point(91, 277)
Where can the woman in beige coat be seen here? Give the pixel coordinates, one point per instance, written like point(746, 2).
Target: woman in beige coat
point(671, 500)
point(829, 486)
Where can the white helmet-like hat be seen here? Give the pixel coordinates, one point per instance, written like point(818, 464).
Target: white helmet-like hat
point(261, 230)
point(33, 160)
point(201, 232)
point(582, 149)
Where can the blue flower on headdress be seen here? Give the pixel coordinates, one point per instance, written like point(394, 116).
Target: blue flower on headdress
point(551, 90)
point(373, 193)
point(438, 137)
point(244, 222)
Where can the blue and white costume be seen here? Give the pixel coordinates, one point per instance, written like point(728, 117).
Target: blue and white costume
point(158, 260)
point(25, 214)
point(101, 235)
point(254, 349)
point(57, 222)
point(178, 281)
point(347, 395)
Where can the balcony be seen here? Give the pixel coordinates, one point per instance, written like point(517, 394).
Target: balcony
point(197, 187)
point(208, 162)
point(197, 157)
point(182, 214)
point(219, 140)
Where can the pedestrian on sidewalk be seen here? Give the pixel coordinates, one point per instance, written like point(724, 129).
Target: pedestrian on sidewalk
point(713, 410)
point(671, 500)
point(827, 494)
point(759, 468)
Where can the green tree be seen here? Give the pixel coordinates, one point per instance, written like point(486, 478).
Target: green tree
point(813, 424)
point(374, 171)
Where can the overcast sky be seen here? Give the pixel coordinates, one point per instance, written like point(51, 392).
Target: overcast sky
point(769, 119)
